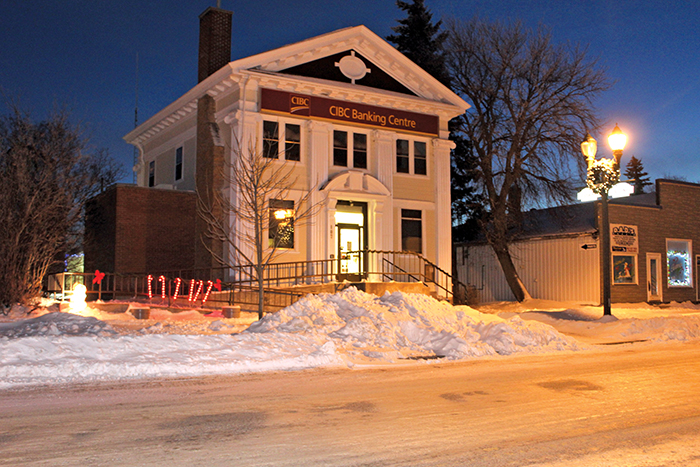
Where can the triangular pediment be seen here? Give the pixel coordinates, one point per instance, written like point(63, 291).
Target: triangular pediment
point(332, 68)
point(321, 57)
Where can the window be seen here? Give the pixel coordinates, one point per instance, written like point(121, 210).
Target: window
point(402, 156)
point(359, 151)
point(270, 139)
point(680, 267)
point(340, 148)
point(411, 151)
point(291, 144)
point(411, 230)
point(420, 158)
point(152, 173)
point(178, 164)
point(356, 145)
point(281, 224)
point(624, 269)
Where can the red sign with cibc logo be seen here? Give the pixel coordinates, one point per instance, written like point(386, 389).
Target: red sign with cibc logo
point(351, 112)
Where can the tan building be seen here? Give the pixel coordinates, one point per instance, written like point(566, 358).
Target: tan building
point(363, 128)
point(558, 254)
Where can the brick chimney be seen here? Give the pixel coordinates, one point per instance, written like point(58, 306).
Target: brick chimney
point(214, 53)
point(214, 41)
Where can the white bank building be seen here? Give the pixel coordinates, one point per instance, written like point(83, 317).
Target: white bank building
point(361, 126)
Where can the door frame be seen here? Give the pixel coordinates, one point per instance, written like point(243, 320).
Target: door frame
point(659, 278)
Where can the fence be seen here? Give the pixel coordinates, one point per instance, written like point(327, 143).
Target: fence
point(215, 287)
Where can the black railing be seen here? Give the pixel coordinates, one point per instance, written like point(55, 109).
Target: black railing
point(215, 287)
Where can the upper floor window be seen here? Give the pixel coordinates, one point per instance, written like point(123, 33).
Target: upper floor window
point(411, 157)
point(290, 145)
point(152, 173)
point(344, 146)
point(178, 164)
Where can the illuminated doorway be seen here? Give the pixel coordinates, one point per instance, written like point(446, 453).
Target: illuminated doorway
point(351, 229)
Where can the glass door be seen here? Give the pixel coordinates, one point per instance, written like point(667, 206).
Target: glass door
point(349, 252)
point(654, 293)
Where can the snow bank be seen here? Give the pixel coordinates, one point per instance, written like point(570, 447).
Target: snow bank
point(345, 329)
point(325, 330)
point(403, 325)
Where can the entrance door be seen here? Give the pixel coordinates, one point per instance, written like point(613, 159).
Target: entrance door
point(349, 256)
point(654, 293)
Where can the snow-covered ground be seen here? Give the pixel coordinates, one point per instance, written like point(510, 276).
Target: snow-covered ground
point(350, 328)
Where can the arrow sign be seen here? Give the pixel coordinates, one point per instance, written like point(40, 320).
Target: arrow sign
point(589, 246)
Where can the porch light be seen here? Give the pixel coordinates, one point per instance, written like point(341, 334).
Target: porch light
point(282, 214)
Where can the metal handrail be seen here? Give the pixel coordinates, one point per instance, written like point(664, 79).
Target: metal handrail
point(403, 264)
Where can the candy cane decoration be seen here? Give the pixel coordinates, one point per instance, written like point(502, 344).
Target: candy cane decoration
point(199, 290)
point(210, 284)
point(191, 290)
point(150, 286)
point(178, 281)
point(161, 279)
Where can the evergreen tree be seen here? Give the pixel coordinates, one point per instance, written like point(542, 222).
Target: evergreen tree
point(421, 40)
point(635, 171)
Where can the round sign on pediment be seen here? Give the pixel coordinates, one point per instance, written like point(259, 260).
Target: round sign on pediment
point(352, 67)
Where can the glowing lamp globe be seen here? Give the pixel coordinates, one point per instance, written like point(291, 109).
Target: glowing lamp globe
point(589, 147)
point(617, 139)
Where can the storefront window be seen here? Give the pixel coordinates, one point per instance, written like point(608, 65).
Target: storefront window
point(680, 267)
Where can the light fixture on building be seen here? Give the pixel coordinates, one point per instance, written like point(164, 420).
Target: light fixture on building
point(603, 174)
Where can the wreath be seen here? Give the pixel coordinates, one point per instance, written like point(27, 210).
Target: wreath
point(602, 176)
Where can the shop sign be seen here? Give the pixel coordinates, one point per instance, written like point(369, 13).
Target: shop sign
point(351, 112)
point(624, 238)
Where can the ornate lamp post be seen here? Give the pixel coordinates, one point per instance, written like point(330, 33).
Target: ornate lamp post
point(602, 175)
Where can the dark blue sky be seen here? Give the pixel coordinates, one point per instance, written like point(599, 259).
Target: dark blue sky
point(82, 55)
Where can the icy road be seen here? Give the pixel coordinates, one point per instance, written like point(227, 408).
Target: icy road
point(624, 405)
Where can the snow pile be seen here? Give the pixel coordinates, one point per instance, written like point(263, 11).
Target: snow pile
point(55, 324)
point(325, 330)
point(403, 325)
point(345, 329)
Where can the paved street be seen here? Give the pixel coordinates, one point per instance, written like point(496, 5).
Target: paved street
point(624, 405)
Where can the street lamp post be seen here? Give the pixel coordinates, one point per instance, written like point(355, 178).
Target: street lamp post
point(602, 175)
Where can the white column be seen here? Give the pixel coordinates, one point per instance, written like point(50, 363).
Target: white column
point(316, 159)
point(384, 155)
point(443, 211)
point(244, 126)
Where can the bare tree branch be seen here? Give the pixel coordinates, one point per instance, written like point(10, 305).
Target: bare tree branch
point(532, 104)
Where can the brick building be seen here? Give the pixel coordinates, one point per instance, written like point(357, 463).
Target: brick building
point(558, 253)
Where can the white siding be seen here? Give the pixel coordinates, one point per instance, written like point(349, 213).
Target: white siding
point(551, 269)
